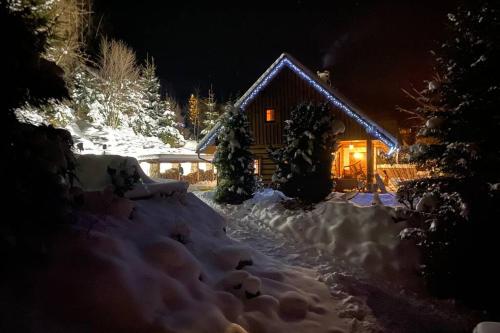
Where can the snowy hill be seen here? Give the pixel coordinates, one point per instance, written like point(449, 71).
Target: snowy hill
point(96, 138)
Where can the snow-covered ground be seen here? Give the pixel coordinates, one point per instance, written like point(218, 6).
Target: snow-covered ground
point(356, 234)
point(98, 139)
point(119, 141)
point(368, 199)
point(303, 238)
point(164, 263)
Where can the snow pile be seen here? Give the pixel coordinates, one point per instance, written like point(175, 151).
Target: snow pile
point(171, 268)
point(487, 327)
point(364, 237)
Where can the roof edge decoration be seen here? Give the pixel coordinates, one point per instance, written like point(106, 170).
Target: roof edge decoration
point(328, 92)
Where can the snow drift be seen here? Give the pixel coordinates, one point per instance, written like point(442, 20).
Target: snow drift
point(165, 264)
point(363, 237)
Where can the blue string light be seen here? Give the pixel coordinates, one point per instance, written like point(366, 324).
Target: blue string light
point(370, 128)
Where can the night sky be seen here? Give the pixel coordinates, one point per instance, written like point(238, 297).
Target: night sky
point(373, 49)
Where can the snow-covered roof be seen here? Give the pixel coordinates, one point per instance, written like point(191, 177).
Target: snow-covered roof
point(331, 94)
point(175, 157)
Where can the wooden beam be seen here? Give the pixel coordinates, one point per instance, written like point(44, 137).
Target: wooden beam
point(369, 165)
point(154, 170)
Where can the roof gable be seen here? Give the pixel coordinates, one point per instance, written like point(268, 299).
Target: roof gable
point(330, 94)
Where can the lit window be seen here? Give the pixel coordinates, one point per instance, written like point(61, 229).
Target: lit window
point(256, 167)
point(269, 115)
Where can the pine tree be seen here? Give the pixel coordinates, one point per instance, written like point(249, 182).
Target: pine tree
point(234, 160)
point(167, 123)
point(211, 114)
point(458, 205)
point(84, 91)
point(154, 116)
point(194, 114)
point(150, 110)
point(41, 154)
point(305, 160)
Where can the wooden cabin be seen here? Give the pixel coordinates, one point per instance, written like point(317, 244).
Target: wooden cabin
point(284, 85)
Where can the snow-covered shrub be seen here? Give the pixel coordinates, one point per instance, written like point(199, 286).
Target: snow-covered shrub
point(305, 160)
point(41, 164)
point(438, 221)
point(234, 160)
point(123, 178)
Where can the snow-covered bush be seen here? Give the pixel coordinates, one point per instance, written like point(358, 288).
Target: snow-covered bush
point(123, 178)
point(305, 160)
point(234, 160)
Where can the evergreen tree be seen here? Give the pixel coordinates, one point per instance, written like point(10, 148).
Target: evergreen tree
point(233, 159)
point(167, 123)
point(150, 111)
point(211, 113)
point(155, 116)
point(458, 205)
point(194, 114)
point(84, 91)
point(305, 160)
point(41, 154)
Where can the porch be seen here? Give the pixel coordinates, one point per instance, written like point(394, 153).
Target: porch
point(358, 165)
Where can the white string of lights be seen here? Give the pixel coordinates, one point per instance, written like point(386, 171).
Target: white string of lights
point(370, 128)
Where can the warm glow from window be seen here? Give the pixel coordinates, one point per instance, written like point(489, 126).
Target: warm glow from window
point(165, 166)
point(358, 155)
point(269, 115)
point(351, 146)
point(256, 166)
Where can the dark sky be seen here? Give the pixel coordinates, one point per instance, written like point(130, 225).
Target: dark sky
point(373, 49)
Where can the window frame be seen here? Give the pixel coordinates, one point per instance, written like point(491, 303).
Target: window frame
point(273, 115)
point(257, 162)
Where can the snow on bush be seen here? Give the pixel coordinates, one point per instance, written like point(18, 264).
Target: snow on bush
point(121, 275)
point(234, 160)
point(303, 162)
point(365, 237)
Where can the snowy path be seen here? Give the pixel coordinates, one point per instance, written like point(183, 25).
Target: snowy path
point(396, 312)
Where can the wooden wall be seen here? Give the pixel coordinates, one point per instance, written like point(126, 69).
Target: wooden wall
point(286, 91)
